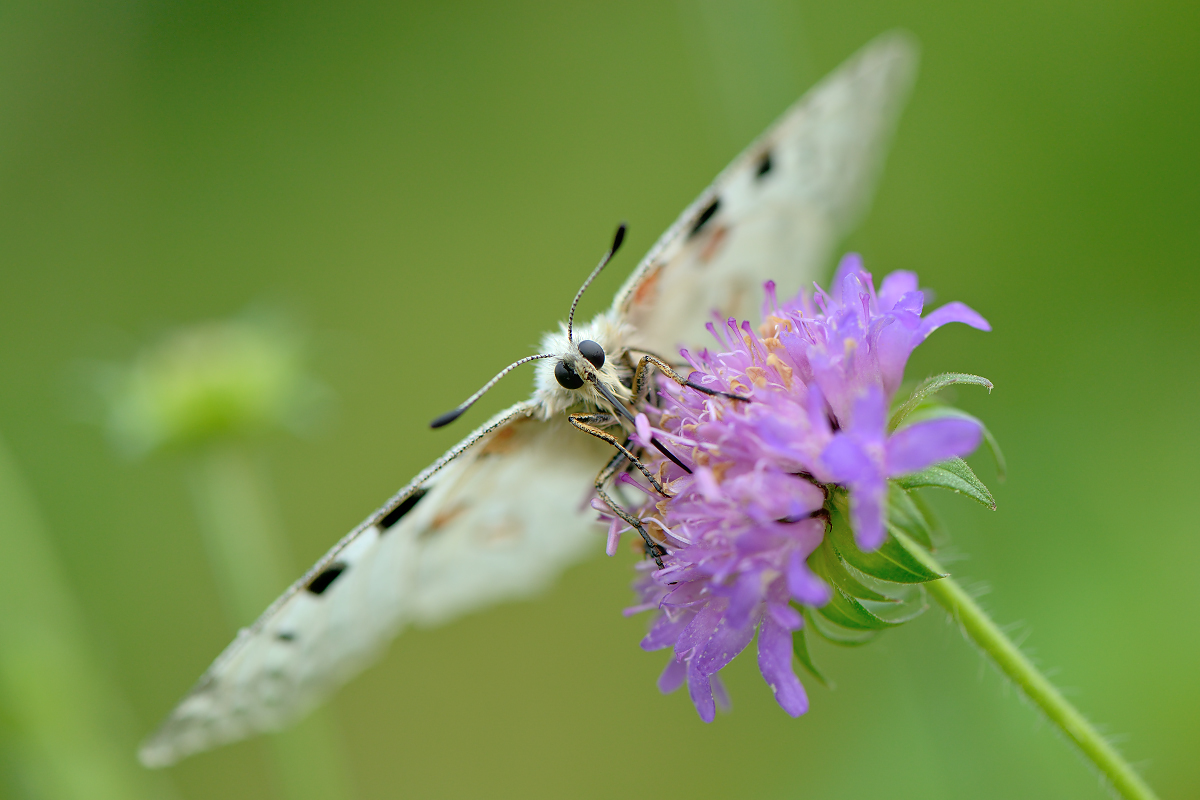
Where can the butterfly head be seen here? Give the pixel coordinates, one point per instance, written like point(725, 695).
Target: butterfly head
point(584, 367)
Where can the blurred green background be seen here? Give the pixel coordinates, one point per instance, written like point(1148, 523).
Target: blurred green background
point(424, 186)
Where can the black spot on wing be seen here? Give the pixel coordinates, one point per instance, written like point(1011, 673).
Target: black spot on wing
point(764, 165)
point(326, 577)
point(286, 636)
point(709, 211)
point(406, 505)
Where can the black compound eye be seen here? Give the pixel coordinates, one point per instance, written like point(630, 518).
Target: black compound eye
point(566, 376)
point(592, 352)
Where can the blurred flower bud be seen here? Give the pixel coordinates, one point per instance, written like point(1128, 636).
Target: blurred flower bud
point(213, 381)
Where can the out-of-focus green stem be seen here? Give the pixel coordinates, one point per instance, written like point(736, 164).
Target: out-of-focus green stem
point(71, 735)
point(242, 535)
point(980, 628)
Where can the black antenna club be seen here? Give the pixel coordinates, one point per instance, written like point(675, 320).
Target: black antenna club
point(618, 238)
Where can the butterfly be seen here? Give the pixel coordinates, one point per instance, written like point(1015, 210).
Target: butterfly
point(507, 508)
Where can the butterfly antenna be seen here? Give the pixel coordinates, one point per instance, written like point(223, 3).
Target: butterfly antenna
point(455, 413)
point(612, 251)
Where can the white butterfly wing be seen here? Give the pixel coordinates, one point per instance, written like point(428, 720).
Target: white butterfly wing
point(497, 517)
point(776, 212)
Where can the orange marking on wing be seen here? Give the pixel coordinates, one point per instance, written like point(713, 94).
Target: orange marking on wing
point(446, 517)
point(505, 532)
point(647, 290)
point(734, 302)
point(500, 443)
point(442, 520)
point(713, 245)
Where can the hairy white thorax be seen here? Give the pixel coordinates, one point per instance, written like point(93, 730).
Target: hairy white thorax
point(607, 330)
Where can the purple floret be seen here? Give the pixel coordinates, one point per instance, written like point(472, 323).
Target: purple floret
point(862, 457)
point(821, 372)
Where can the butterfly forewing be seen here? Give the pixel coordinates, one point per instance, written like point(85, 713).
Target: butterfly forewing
point(778, 210)
point(499, 521)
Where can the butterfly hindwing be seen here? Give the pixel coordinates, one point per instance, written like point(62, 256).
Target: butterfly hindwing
point(498, 517)
point(778, 210)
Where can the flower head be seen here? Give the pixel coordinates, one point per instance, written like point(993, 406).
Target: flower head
point(218, 379)
point(739, 528)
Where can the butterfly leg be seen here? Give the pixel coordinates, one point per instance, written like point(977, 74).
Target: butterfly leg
point(639, 379)
point(653, 548)
point(588, 424)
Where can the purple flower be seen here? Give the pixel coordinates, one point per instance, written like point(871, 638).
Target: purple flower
point(862, 457)
point(739, 528)
point(854, 337)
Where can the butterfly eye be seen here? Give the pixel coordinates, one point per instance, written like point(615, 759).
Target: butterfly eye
point(566, 376)
point(592, 352)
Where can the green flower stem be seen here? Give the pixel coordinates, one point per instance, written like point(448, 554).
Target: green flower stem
point(242, 534)
point(980, 628)
point(65, 731)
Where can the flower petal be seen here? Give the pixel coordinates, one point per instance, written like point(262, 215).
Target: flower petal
point(672, 675)
point(700, 690)
point(953, 312)
point(895, 285)
point(926, 443)
point(803, 584)
point(785, 616)
point(697, 632)
point(614, 537)
point(866, 514)
point(775, 663)
point(870, 415)
point(643, 429)
point(724, 646)
point(707, 484)
point(720, 693)
point(747, 593)
point(847, 461)
point(850, 264)
point(665, 631)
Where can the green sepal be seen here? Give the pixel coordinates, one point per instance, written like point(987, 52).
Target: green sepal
point(904, 515)
point(834, 571)
point(934, 410)
point(932, 386)
point(842, 608)
point(953, 474)
point(832, 633)
point(848, 612)
point(800, 647)
point(891, 562)
point(936, 531)
point(901, 609)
